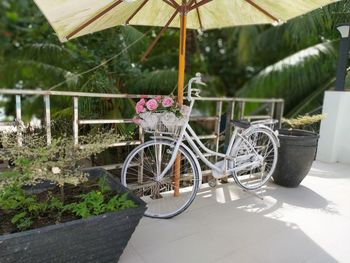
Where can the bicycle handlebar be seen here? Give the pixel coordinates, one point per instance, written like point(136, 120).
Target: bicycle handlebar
point(198, 80)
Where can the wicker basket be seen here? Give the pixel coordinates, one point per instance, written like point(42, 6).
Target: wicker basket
point(162, 123)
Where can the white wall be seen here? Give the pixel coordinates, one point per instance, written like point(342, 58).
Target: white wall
point(334, 143)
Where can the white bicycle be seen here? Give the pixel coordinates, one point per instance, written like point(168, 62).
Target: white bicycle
point(166, 174)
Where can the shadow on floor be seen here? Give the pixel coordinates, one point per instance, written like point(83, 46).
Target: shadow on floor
point(300, 196)
point(227, 225)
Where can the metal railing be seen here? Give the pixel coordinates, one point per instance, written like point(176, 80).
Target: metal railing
point(226, 110)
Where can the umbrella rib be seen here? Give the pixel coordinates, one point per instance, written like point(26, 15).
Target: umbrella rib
point(136, 11)
point(262, 10)
point(172, 3)
point(199, 16)
point(191, 3)
point(149, 49)
point(93, 19)
point(203, 2)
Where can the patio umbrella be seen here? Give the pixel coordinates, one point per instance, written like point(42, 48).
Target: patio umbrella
point(74, 18)
point(71, 19)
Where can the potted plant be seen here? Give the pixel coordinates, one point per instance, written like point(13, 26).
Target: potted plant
point(52, 211)
point(297, 150)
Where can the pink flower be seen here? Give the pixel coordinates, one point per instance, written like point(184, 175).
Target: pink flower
point(158, 98)
point(141, 101)
point(167, 102)
point(152, 104)
point(136, 120)
point(139, 108)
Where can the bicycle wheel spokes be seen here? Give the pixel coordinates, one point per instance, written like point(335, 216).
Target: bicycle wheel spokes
point(141, 174)
point(260, 150)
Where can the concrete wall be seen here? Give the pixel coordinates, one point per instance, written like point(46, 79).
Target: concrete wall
point(334, 143)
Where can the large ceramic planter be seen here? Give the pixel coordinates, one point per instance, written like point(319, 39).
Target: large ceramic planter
point(295, 156)
point(96, 239)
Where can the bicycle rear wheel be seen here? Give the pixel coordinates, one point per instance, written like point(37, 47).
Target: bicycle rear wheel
point(259, 144)
point(141, 172)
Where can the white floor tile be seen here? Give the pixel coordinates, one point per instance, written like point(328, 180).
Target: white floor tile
point(307, 224)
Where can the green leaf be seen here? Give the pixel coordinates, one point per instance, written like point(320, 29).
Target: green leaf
point(12, 16)
point(55, 203)
point(24, 223)
point(9, 174)
point(18, 217)
point(103, 184)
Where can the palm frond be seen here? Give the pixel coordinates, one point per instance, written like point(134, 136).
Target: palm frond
point(47, 53)
point(136, 39)
point(245, 46)
point(32, 73)
point(313, 101)
point(296, 76)
point(154, 82)
point(275, 42)
point(63, 114)
point(161, 60)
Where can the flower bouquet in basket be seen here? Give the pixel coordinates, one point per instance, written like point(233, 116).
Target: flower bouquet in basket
point(161, 114)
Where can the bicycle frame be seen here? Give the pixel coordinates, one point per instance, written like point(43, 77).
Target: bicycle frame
point(188, 133)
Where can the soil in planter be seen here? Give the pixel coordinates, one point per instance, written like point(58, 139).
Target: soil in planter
point(72, 194)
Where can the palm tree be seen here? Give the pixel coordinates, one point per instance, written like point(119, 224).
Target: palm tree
point(297, 59)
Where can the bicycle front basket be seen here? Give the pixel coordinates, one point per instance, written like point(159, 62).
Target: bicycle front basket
point(163, 123)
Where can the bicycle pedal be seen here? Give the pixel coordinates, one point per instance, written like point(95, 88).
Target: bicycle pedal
point(224, 180)
point(212, 182)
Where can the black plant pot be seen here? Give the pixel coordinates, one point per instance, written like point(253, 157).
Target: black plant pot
point(96, 239)
point(295, 156)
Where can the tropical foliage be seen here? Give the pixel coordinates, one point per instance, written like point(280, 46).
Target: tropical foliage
point(295, 60)
point(298, 59)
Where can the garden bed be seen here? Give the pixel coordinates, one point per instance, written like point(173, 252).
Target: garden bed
point(99, 238)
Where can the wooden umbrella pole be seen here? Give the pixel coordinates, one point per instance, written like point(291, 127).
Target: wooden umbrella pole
point(180, 91)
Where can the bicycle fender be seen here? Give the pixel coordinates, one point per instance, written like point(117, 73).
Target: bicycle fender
point(267, 129)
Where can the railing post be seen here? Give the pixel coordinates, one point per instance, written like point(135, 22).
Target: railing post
point(141, 135)
point(75, 120)
point(229, 118)
point(47, 119)
point(19, 120)
point(141, 167)
point(241, 109)
point(272, 109)
point(217, 125)
point(279, 112)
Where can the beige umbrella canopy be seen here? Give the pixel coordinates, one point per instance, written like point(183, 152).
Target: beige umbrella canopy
point(74, 18)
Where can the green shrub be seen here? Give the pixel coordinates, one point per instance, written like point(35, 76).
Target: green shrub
point(34, 161)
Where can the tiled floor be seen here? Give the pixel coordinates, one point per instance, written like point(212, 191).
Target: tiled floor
point(308, 224)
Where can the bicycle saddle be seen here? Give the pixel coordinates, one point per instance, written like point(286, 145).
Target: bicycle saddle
point(244, 124)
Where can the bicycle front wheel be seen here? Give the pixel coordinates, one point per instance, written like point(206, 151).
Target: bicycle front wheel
point(141, 172)
point(258, 144)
